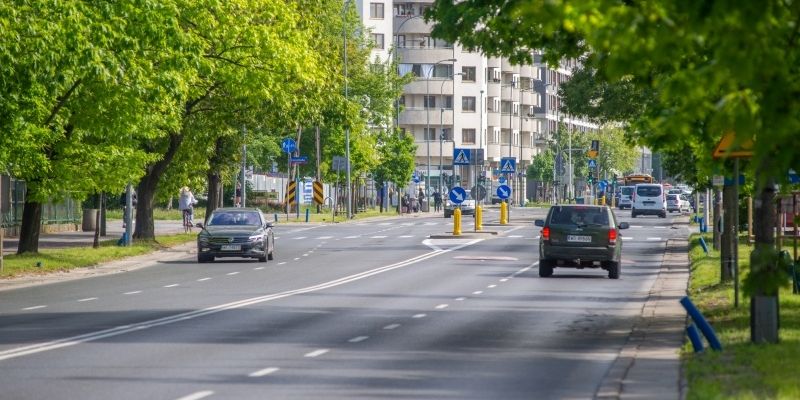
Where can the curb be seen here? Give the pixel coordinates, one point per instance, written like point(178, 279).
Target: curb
point(649, 363)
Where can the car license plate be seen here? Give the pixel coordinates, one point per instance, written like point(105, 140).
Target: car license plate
point(231, 247)
point(649, 203)
point(579, 238)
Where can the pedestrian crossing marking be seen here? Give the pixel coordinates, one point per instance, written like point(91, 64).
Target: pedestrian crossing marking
point(461, 158)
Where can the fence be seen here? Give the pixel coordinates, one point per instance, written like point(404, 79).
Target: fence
point(12, 204)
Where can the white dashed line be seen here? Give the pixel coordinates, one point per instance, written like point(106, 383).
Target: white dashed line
point(477, 292)
point(660, 227)
point(325, 237)
point(635, 226)
point(491, 286)
point(654, 238)
point(138, 291)
point(232, 273)
point(504, 280)
point(352, 237)
point(419, 316)
point(197, 395)
point(33, 308)
point(515, 236)
point(173, 285)
point(406, 236)
point(87, 299)
point(282, 262)
point(442, 306)
point(296, 258)
point(305, 255)
point(316, 353)
point(300, 238)
point(258, 268)
point(627, 238)
point(460, 298)
point(264, 372)
point(358, 339)
point(378, 237)
point(202, 279)
point(392, 326)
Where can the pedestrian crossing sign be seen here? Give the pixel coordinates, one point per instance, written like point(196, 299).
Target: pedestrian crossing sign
point(508, 165)
point(461, 156)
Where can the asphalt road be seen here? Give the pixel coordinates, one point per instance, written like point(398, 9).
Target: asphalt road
point(358, 310)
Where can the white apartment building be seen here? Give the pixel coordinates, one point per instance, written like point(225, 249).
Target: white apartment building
point(463, 99)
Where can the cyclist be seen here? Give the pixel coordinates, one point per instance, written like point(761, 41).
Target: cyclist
point(186, 203)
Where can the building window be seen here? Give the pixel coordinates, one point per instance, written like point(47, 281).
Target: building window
point(447, 102)
point(430, 101)
point(469, 74)
point(468, 136)
point(404, 10)
point(430, 133)
point(376, 10)
point(468, 104)
point(400, 41)
point(378, 39)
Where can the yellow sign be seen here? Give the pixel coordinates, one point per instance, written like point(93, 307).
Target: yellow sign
point(318, 199)
point(729, 148)
point(291, 193)
point(592, 154)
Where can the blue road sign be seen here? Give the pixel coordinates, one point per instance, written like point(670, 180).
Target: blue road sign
point(461, 156)
point(299, 160)
point(793, 177)
point(501, 180)
point(508, 164)
point(592, 164)
point(503, 192)
point(457, 195)
point(415, 177)
point(288, 145)
point(602, 185)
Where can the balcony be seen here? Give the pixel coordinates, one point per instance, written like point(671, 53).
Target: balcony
point(411, 24)
point(527, 154)
point(446, 148)
point(493, 89)
point(423, 54)
point(493, 119)
point(493, 152)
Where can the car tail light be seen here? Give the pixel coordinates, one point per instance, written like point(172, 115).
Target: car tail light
point(546, 233)
point(612, 236)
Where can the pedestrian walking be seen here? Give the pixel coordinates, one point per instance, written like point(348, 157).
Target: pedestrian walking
point(186, 203)
point(237, 201)
point(421, 199)
point(437, 201)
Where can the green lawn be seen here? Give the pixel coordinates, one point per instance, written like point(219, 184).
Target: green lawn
point(161, 214)
point(742, 370)
point(51, 260)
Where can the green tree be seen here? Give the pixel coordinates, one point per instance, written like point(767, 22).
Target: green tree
point(396, 159)
point(541, 168)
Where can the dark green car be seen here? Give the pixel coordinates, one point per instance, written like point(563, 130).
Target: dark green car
point(580, 236)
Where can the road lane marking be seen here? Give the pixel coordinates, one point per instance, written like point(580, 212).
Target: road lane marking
point(627, 238)
point(660, 227)
point(316, 353)
point(197, 395)
point(305, 255)
point(173, 285)
point(358, 339)
point(635, 226)
point(460, 298)
point(264, 372)
point(492, 286)
point(33, 308)
point(300, 238)
point(442, 306)
point(87, 299)
point(504, 280)
point(418, 316)
point(352, 237)
point(378, 237)
point(391, 326)
point(232, 273)
point(325, 237)
point(296, 258)
point(282, 262)
point(515, 236)
point(204, 279)
point(477, 292)
point(406, 236)
point(654, 238)
point(138, 291)
point(258, 268)
point(116, 331)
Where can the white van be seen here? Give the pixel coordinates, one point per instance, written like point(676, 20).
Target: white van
point(625, 196)
point(649, 199)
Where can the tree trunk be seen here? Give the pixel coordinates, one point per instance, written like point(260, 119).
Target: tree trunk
point(715, 226)
point(729, 204)
point(96, 242)
point(31, 226)
point(146, 190)
point(764, 318)
point(214, 185)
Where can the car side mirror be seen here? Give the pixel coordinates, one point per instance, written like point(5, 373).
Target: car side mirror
point(539, 222)
point(269, 225)
point(199, 225)
point(623, 225)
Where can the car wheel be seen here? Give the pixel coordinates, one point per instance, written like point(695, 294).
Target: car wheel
point(545, 268)
point(613, 270)
point(262, 259)
point(663, 215)
point(633, 213)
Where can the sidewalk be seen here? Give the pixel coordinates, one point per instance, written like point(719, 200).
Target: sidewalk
point(649, 364)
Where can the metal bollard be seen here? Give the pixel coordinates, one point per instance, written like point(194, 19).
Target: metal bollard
point(503, 210)
point(307, 214)
point(701, 323)
point(478, 218)
point(457, 222)
point(694, 337)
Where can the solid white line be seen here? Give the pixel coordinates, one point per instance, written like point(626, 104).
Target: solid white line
point(138, 291)
point(173, 285)
point(442, 306)
point(419, 316)
point(358, 339)
point(316, 353)
point(197, 395)
point(263, 372)
point(121, 330)
point(460, 298)
point(258, 268)
point(203, 279)
point(378, 237)
point(392, 326)
point(33, 308)
point(87, 299)
point(491, 286)
point(232, 273)
point(478, 292)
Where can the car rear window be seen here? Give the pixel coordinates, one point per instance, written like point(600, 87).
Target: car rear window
point(672, 197)
point(626, 190)
point(578, 216)
point(648, 191)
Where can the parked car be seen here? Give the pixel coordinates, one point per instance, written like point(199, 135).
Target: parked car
point(624, 200)
point(236, 232)
point(678, 202)
point(649, 199)
point(467, 206)
point(580, 236)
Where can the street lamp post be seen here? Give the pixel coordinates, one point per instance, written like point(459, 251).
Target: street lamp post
point(441, 124)
point(428, 118)
point(347, 127)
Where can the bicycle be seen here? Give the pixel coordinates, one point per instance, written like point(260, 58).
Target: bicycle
point(187, 221)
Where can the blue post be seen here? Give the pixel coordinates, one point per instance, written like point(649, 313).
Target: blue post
point(694, 337)
point(276, 217)
point(307, 214)
point(701, 322)
point(704, 245)
point(703, 226)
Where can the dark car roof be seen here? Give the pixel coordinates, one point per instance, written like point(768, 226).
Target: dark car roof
point(235, 209)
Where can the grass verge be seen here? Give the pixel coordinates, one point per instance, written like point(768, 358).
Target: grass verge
point(162, 214)
point(64, 259)
point(742, 370)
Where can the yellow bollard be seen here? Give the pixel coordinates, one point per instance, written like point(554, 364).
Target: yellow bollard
point(457, 222)
point(503, 210)
point(478, 218)
point(604, 201)
point(613, 201)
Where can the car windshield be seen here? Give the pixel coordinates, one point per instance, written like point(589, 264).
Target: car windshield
point(579, 216)
point(234, 218)
point(648, 191)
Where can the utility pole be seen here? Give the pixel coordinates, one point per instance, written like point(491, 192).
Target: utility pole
point(244, 164)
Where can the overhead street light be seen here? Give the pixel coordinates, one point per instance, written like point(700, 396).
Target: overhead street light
point(428, 116)
point(347, 125)
point(441, 122)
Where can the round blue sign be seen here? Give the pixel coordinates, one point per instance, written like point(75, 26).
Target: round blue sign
point(457, 195)
point(503, 192)
point(288, 145)
point(502, 180)
point(602, 185)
